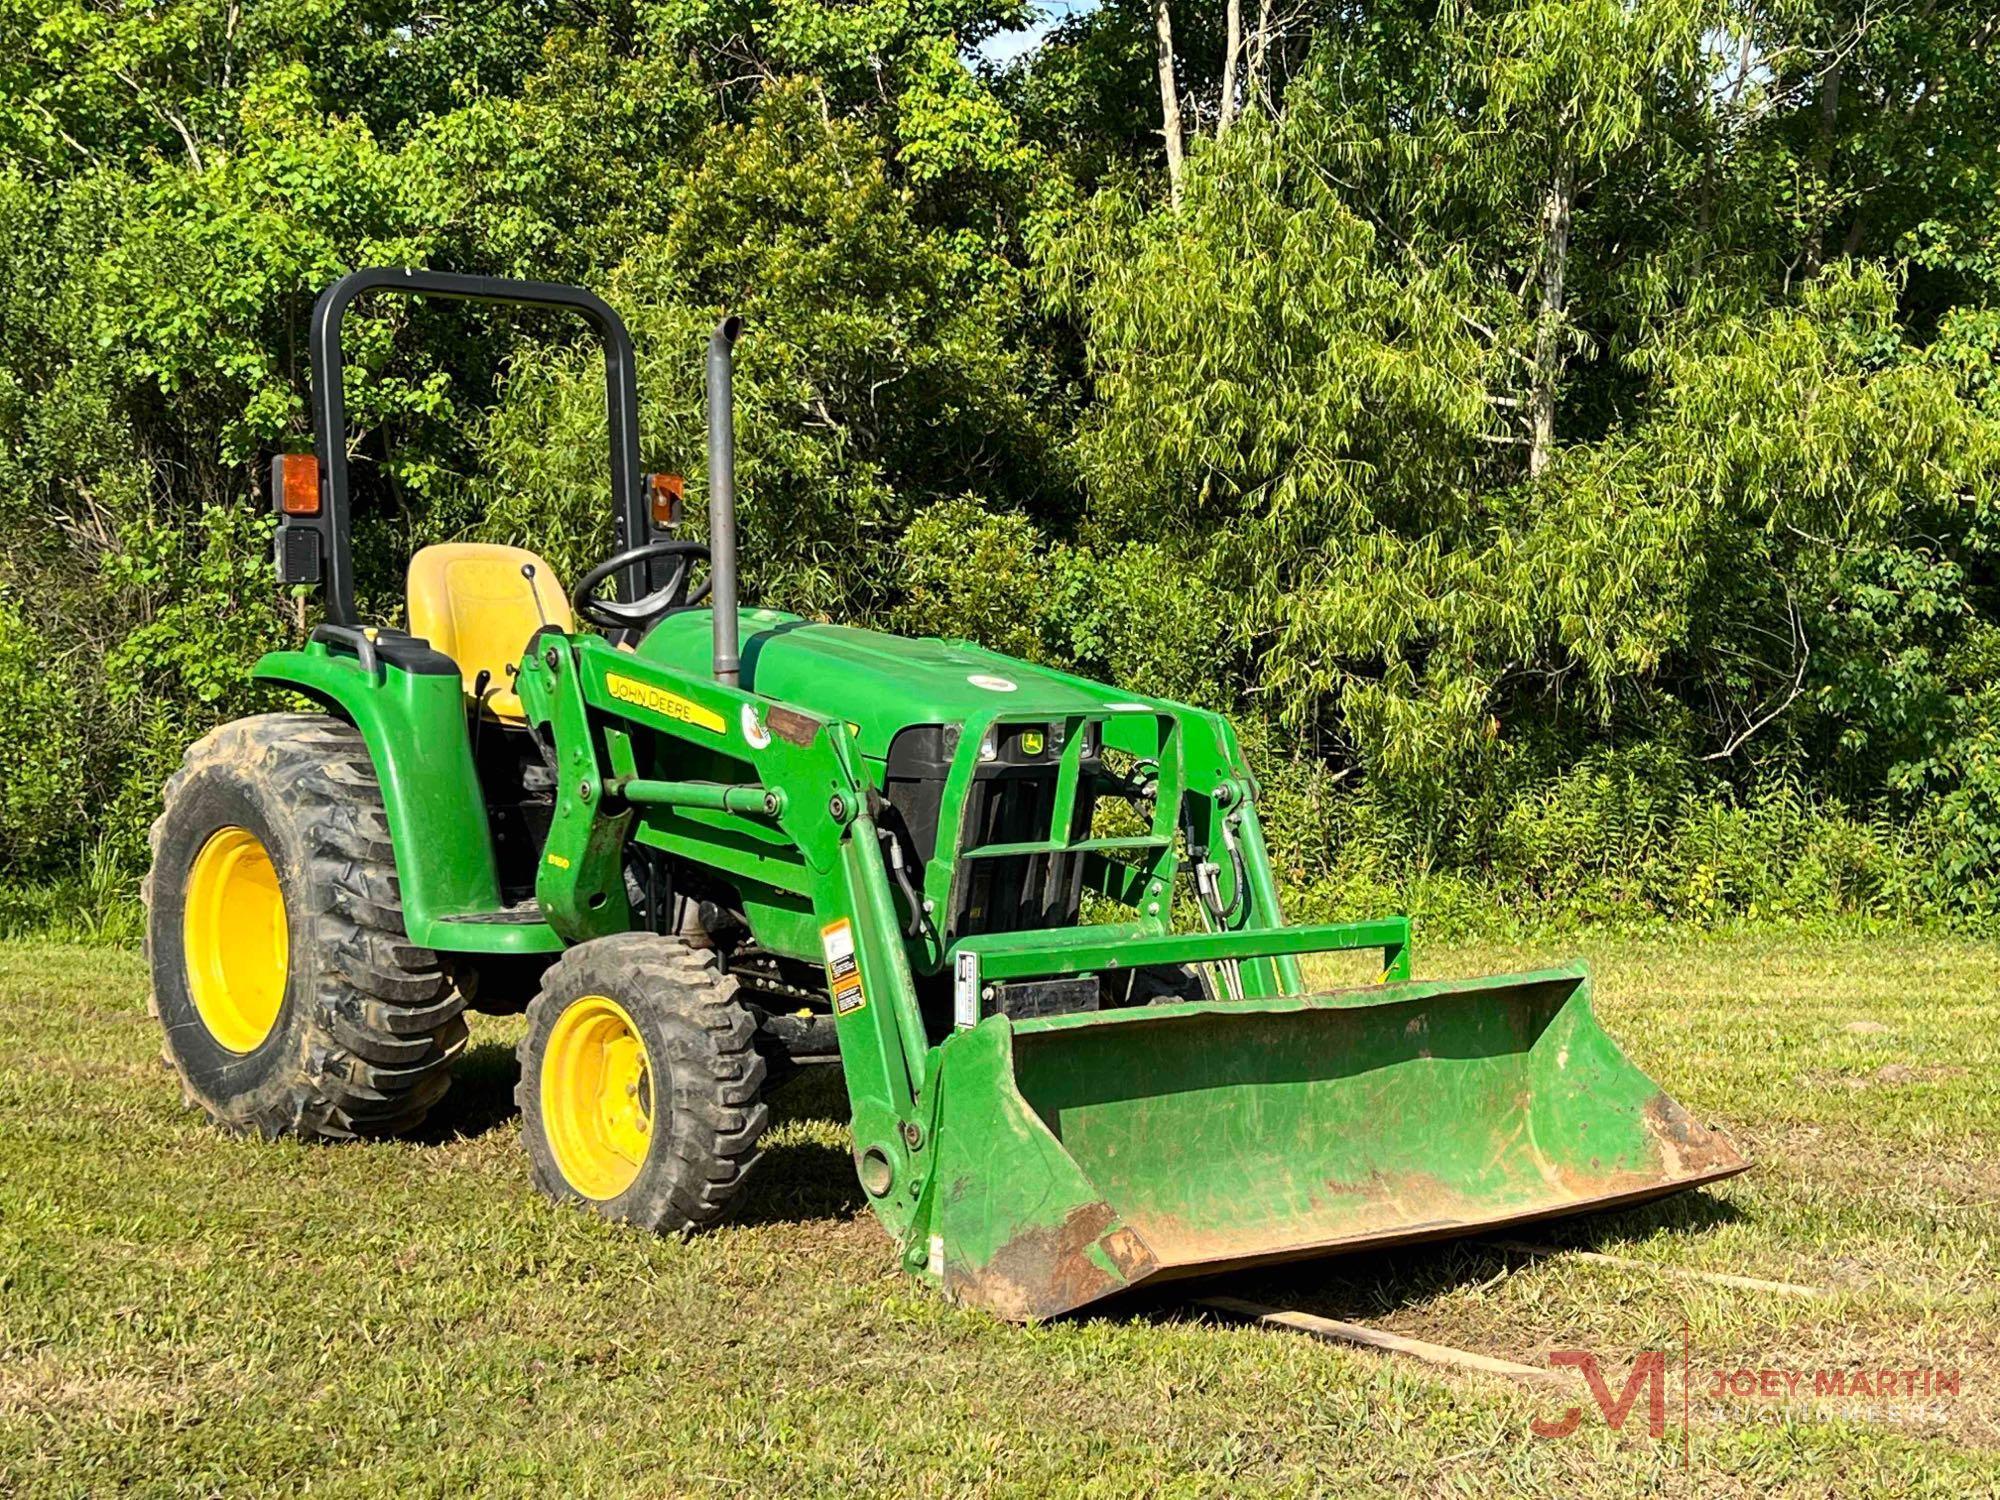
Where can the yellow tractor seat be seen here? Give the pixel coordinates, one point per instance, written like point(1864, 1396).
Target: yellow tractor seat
point(471, 601)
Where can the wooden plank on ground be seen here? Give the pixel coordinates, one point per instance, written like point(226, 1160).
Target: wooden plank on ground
point(1680, 1273)
point(1373, 1338)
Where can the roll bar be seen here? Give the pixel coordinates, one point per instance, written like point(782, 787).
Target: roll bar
point(621, 400)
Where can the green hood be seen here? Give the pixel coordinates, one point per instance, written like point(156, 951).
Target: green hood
point(878, 683)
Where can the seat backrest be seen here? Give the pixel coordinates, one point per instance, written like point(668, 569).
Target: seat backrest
point(470, 601)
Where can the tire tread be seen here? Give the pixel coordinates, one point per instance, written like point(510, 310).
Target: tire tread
point(385, 1024)
point(717, 1111)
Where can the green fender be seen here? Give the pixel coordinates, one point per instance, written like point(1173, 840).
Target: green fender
point(411, 715)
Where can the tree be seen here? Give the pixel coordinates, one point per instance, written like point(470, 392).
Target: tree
point(1305, 385)
point(1170, 95)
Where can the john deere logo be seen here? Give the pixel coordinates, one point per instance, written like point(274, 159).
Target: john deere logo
point(660, 701)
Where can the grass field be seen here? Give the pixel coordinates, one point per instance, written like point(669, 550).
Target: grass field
point(185, 1313)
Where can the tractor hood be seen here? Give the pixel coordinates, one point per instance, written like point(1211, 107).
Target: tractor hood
point(876, 682)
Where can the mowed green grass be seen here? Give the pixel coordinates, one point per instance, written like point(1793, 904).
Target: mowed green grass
point(183, 1313)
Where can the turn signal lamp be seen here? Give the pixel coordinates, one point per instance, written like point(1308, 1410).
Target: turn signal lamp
point(665, 492)
point(295, 482)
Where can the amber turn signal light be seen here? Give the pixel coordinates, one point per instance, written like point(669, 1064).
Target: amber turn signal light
point(665, 491)
point(295, 482)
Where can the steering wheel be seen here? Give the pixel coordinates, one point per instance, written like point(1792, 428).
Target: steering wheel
point(636, 614)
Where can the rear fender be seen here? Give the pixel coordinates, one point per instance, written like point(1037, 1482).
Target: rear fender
point(411, 714)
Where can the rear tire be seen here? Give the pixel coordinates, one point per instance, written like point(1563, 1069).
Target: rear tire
point(641, 1083)
point(293, 1002)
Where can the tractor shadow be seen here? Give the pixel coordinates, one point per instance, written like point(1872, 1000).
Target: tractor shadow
point(1367, 1285)
point(480, 1099)
point(803, 1175)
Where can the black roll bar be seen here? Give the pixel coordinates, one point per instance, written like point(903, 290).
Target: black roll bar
point(621, 400)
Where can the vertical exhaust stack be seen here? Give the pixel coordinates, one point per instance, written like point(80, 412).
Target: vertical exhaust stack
point(722, 496)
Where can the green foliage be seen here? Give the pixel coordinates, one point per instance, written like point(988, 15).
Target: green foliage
point(1632, 837)
point(50, 763)
point(1117, 613)
point(972, 574)
point(878, 375)
point(1560, 431)
point(1772, 565)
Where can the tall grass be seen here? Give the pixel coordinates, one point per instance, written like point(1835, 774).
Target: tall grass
point(96, 904)
point(1629, 840)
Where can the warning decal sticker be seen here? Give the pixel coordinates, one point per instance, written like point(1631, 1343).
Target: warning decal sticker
point(843, 973)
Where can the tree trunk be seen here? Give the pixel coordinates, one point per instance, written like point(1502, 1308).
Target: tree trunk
point(1829, 116)
point(1548, 326)
point(1258, 42)
point(1231, 47)
point(1170, 96)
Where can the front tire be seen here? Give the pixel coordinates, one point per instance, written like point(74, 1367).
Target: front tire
point(292, 1000)
point(641, 1084)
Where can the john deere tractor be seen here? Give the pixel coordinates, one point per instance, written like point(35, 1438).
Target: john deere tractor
point(1030, 915)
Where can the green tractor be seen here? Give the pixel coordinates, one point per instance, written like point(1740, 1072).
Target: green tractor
point(704, 843)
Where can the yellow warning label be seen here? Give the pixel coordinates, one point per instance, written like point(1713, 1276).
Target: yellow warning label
point(843, 973)
point(660, 701)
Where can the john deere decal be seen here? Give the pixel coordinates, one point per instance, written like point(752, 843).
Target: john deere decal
point(660, 701)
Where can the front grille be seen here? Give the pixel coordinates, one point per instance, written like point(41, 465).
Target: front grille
point(1011, 800)
point(1015, 892)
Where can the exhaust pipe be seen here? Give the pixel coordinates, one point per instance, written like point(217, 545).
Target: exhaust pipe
point(722, 497)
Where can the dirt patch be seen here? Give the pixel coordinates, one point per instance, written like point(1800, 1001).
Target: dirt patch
point(1895, 1074)
point(50, 1386)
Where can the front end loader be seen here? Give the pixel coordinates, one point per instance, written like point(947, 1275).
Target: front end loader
point(1031, 916)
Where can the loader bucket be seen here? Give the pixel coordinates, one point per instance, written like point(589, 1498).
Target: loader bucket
point(1083, 1154)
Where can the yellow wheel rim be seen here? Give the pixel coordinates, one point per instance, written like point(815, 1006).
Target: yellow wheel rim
point(597, 1097)
point(234, 939)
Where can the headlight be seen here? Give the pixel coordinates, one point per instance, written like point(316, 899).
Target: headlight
point(989, 746)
